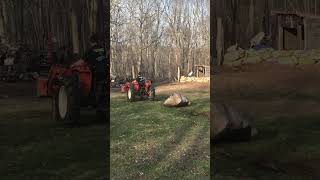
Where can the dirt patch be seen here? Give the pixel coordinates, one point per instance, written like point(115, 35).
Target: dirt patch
point(181, 86)
point(266, 80)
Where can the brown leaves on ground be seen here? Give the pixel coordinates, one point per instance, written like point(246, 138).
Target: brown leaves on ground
point(181, 86)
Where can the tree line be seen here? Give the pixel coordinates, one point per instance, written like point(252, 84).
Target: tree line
point(70, 23)
point(159, 37)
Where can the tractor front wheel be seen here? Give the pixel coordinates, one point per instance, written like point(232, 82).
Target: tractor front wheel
point(130, 95)
point(66, 106)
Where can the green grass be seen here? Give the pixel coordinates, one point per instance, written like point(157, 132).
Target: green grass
point(33, 147)
point(150, 141)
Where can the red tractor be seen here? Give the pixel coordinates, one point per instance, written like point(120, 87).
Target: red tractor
point(143, 90)
point(70, 87)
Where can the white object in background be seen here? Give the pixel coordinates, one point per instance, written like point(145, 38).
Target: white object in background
point(9, 62)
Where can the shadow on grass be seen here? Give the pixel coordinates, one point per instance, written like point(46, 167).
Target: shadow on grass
point(35, 147)
point(158, 153)
point(195, 152)
point(280, 143)
point(88, 119)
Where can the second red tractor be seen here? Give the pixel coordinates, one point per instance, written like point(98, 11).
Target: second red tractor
point(140, 90)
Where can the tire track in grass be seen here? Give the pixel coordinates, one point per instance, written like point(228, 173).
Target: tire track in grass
point(161, 168)
point(198, 152)
point(145, 161)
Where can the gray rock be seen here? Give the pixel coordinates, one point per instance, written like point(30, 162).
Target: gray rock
point(176, 100)
point(226, 120)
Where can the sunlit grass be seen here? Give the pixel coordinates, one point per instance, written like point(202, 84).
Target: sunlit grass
point(150, 141)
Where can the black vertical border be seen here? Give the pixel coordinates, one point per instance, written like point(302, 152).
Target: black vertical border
point(106, 29)
point(212, 63)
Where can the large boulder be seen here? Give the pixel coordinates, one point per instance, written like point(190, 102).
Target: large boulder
point(176, 100)
point(229, 125)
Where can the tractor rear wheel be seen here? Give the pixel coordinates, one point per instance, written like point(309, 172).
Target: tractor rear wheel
point(131, 94)
point(66, 102)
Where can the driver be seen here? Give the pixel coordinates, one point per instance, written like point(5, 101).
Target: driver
point(140, 79)
point(97, 60)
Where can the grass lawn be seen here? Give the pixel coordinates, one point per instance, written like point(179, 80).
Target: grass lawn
point(150, 141)
point(284, 106)
point(33, 147)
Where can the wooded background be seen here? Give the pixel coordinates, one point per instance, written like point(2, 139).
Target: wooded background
point(156, 37)
point(71, 22)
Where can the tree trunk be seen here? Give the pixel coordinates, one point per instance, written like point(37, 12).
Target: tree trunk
point(169, 68)
point(93, 15)
point(22, 21)
point(4, 16)
point(133, 72)
point(140, 60)
point(220, 43)
point(178, 75)
point(2, 21)
point(235, 14)
point(74, 30)
point(155, 68)
point(251, 19)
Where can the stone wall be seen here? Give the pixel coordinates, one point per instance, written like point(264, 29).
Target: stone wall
point(290, 57)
